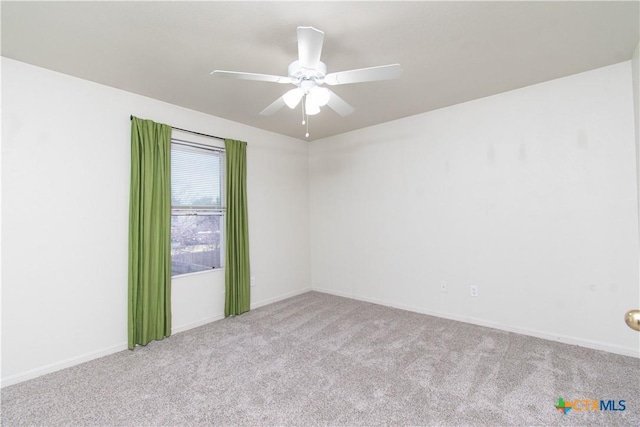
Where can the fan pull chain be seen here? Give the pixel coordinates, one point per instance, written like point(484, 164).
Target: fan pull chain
point(305, 117)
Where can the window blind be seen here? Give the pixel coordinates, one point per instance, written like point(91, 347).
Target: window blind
point(196, 178)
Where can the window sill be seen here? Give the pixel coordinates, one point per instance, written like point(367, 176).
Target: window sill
point(197, 273)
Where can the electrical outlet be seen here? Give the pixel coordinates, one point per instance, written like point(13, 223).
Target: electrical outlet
point(474, 291)
point(443, 286)
point(253, 281)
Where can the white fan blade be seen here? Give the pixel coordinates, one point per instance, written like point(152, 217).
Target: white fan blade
point(309, 46)
point(250, 76)
point(273, 107)
point(383, 72)
point(339, 105)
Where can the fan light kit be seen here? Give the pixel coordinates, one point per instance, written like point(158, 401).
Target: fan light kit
point(308, 74)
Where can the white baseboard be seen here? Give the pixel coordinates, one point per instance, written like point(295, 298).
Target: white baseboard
point(186, 327)
point(279, 298)
point(72, 361)
point(76, 360)
point(530, 332)
point(67, 363)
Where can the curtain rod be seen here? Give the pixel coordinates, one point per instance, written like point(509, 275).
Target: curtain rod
point(190, 131)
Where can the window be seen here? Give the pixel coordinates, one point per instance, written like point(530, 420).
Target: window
point(197, 211)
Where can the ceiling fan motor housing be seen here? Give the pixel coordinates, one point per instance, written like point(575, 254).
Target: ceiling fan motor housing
point(299, 74)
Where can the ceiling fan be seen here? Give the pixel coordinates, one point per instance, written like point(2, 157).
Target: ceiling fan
point(308, 74)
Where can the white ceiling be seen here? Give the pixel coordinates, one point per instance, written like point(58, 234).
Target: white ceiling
point(451, 52)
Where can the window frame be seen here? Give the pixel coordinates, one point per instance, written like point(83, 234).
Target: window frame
point(203, 143)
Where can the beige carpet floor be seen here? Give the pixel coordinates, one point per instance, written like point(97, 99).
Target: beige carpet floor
point(317, 359)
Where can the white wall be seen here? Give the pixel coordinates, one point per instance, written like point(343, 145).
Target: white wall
point(635, 65)
point(65, 191)
point(635, 69)
point(530, 195)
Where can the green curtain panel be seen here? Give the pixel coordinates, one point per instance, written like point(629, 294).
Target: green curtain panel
point(237, 280)
point(149, 232)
